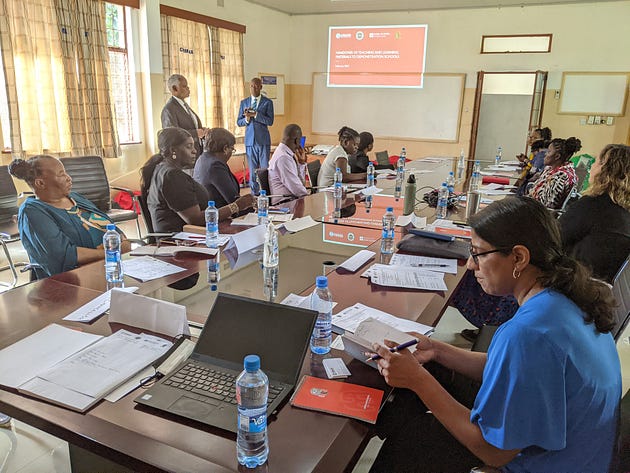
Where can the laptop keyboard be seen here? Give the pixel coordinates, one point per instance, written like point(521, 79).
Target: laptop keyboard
point(211, 383)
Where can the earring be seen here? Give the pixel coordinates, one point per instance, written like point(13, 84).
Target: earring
point(174, 156)
point(516, 274)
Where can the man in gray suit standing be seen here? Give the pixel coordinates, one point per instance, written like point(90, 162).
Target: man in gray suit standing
point(178, 113)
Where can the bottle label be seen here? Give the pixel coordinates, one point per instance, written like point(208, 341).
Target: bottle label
point(253, 423)
point(112, 256)
point(212, 227)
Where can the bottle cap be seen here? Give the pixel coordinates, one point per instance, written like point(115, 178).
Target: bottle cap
point(213, 287)
point(251, 363)
point(211, 203)
point(444, 184)
point(111, 226)
point(389, 209)
point(321, 281)
point(451, 173)
point(338, 169)
point(263, 192)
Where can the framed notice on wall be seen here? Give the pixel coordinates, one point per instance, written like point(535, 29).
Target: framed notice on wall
point(594, 93)
point(273, 88)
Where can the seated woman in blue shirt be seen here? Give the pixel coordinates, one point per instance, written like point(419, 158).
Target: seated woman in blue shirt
point(551, 380)
point(59, 229)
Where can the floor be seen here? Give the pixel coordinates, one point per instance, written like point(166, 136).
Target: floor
point(25, 449)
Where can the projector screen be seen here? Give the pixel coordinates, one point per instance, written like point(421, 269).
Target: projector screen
point(376, 56)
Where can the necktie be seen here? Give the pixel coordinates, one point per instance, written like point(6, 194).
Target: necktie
point(192, 115)
point(254, 103)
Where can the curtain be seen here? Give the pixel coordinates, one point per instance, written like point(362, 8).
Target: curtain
point(86, 71)
point(186, 51)
point(230, 65)
point(31, 53)
point(55, 63)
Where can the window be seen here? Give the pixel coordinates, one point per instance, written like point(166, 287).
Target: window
point(121, 73)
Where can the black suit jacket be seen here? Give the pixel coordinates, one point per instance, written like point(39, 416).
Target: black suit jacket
point(173, 114)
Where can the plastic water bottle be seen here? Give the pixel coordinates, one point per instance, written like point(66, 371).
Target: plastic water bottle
point(370, 175)
point(450, 182)
point(263, 208)
point(113, 263)
point(477, 167)
point(461, 166)
point(322, 302)
point(410, 195)
point(338, 181)
point(252, 390)
point(214, 271)
point(475, 181)
point(497, 158)
point(400, 178)
point(402, 159)
point(212, 225)
point(442, 202)
point(387, 237)
point(270, 249)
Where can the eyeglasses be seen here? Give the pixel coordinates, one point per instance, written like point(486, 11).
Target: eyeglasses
point(475, 256)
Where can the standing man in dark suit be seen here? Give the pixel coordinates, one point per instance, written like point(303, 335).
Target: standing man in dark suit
point(178, 113)
point(256, 115)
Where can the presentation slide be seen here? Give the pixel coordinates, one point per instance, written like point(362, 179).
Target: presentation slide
point(376, 56)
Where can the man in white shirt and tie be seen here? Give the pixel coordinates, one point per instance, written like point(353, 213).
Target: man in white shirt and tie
point(178, 113)
point(256, 115)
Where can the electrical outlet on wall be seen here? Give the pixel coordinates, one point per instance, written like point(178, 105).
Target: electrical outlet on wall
point(557, 95)
point(610, 120)
point(591, 120)
point(598, 119)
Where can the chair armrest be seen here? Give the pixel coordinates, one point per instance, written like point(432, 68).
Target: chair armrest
point(124, 189)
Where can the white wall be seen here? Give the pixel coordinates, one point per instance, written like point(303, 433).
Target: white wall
point(585, 37)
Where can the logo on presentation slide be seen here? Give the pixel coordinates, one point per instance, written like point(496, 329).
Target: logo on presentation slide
point(343, 35)
point(359, 35)
point(350, 236)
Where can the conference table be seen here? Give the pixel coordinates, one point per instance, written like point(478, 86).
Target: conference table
point(141, 439)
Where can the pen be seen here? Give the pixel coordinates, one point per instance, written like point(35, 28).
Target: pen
point(402, 346)
point(430, 265)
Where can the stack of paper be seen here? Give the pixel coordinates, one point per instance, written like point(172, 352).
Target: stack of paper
point(407, 277)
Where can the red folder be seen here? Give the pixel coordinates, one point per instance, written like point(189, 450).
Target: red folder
point(335, 397)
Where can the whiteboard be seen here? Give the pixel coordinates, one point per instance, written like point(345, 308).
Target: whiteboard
point(430, 114)
point(593, 93)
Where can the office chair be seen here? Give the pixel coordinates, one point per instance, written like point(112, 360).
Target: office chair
point(90, 180)
point(262, 177)
point(382, 158)
point(621, 293)
point(151, 237)
point(312, 169)
point(9, 232)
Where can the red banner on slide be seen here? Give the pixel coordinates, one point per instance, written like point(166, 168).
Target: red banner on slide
point(376, 56)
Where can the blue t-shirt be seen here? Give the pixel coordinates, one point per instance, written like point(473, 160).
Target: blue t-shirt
point(551, 387)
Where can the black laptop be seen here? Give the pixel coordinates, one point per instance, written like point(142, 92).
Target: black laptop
point(202, 388)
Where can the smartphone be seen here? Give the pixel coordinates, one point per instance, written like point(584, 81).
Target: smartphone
point(302, 141)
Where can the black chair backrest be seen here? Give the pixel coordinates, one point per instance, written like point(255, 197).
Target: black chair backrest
point(621, 293)
point(144, 208)
point(313, 171)
point(89, 179)
point(382, 157)
point(262, 176)
point(8, 196)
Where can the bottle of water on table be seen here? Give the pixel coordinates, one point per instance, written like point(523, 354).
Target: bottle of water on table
point(263, 208)
point(475, 181)
point(338, 182)
point(497, 158)
point(477, 166)
point(400, 174)
point(387, 237)
point(461, 166)
point(212, 225)
point(450, 182)
point(322, 302)
point(370, 175)
point(252, 390)
point(441, 209)
point(113, 263)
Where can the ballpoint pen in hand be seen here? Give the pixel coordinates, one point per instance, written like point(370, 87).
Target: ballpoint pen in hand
point(402, 346)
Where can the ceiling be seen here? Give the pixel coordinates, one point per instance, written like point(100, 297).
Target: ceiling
point(307, 7)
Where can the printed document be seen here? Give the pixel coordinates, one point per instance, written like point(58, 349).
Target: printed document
point(440, 265)
point(146, 268)
point(412, 278)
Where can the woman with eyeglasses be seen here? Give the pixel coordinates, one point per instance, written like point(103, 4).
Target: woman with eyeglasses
point(551, 380)
point(213, 173)
point(174, 198)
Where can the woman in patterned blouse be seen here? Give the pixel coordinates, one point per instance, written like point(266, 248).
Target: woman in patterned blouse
point(558, 178)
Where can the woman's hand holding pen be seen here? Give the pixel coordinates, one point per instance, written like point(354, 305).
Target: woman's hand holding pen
point(425, 348)
point(400, 369)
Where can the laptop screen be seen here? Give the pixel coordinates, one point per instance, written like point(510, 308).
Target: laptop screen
point(239, 326)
